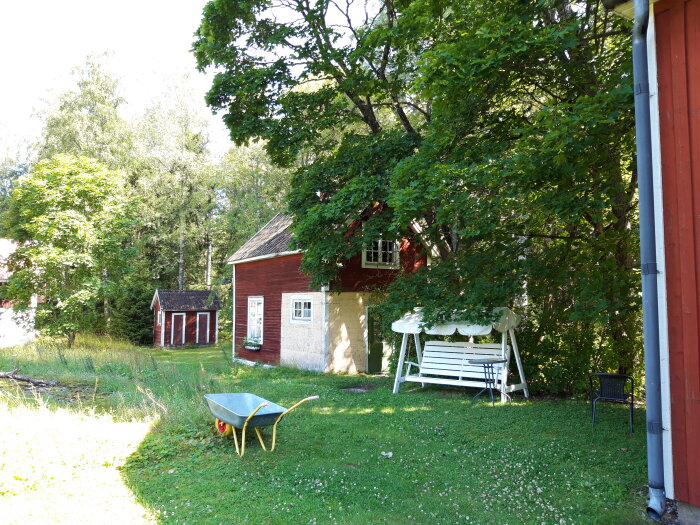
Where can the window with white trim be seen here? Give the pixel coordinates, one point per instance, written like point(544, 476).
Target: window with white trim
point(255, 319)
point(381, 254)
point(302, 310)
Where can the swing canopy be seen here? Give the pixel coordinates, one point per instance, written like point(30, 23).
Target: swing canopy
point(454, 363)
point(412, 323)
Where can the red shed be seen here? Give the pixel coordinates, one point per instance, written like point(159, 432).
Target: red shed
point(673, 45)
point(278, 318)
point(185, 317)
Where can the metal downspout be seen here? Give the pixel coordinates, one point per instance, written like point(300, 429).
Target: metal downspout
point(656, 506)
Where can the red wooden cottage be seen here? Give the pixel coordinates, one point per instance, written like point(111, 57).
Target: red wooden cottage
point(185, 317)
point(284, 321)
point(673, 47)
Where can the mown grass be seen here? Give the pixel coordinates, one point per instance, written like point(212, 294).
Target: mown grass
point(452, 461)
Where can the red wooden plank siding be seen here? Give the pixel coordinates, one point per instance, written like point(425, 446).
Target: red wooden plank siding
point(190, 327)
point(356, 278)
point(267, 278)
point(212, 326)
point(678, 59)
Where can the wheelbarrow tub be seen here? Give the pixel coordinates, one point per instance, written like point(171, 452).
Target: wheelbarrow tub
point(234, 409)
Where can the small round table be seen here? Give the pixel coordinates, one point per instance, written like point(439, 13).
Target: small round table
point(489, 375)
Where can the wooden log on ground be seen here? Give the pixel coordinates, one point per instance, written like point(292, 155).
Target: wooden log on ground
point(14, 374)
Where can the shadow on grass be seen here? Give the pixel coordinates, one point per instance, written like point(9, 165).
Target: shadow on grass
point(451, 460)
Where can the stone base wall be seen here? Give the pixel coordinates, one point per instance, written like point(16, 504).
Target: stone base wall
point(301, 342)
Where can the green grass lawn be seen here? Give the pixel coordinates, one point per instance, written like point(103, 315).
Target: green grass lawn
point(159, 459)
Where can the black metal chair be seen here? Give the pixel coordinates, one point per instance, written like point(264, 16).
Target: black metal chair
point(613, 388)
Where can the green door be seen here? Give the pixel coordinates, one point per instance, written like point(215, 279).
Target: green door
point(375, 343)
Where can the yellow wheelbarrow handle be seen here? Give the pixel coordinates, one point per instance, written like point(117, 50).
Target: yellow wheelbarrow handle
point(274, 428)
point(241, 450)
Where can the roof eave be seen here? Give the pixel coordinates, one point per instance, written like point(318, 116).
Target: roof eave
point(623, 8)
point(153, 301)
point(266, 256)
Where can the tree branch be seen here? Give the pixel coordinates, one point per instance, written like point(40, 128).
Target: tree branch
point(36, 382)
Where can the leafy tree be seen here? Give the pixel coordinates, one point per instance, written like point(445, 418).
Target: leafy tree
point(69, 216)
point(250, 192)
point(534, 150)
point(301, 74)
point(86, 121)
point(502, 130)
point(174, 183)
point(12, 166)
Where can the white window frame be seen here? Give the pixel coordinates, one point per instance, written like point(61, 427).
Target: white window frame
point(301, 299)
point(251, 300)
point(172, 328)
point(206, 339)
point(394, 265)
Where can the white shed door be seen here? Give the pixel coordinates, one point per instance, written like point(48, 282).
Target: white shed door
point(255, 319)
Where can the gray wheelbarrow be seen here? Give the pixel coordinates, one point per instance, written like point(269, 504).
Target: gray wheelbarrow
point(239, 411)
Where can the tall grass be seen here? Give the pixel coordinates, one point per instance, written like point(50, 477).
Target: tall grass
point(528, 462)
point(125, 380)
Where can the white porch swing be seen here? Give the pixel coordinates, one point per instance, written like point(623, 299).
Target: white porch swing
point(446, 363)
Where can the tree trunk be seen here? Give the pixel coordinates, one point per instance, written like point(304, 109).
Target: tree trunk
point(71, 339)
point(36, 382)
point(105, 302)
point(209, 254)
point(181, 261)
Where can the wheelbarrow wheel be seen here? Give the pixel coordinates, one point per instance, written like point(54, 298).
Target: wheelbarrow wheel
point(223, 428)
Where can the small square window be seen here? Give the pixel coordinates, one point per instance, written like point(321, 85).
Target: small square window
point(301, 309)
point(381, 254)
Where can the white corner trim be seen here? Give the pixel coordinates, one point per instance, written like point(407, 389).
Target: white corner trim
point(153, 301)
point(325, 327)
point(216, 327)
point(233, 312)
point(365, 331)
point(660, 257)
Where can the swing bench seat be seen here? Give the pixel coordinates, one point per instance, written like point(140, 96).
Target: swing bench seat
point(450, 364)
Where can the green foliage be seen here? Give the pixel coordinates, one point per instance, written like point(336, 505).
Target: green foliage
point(86, 121)
point(186, 213)
point(12, 166)
point(69, 217)
point(503, 131)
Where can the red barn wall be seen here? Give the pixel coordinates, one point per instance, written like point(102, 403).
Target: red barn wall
point(355, 278)
point(678, 63)
point(268, 278)
point(190, 327)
